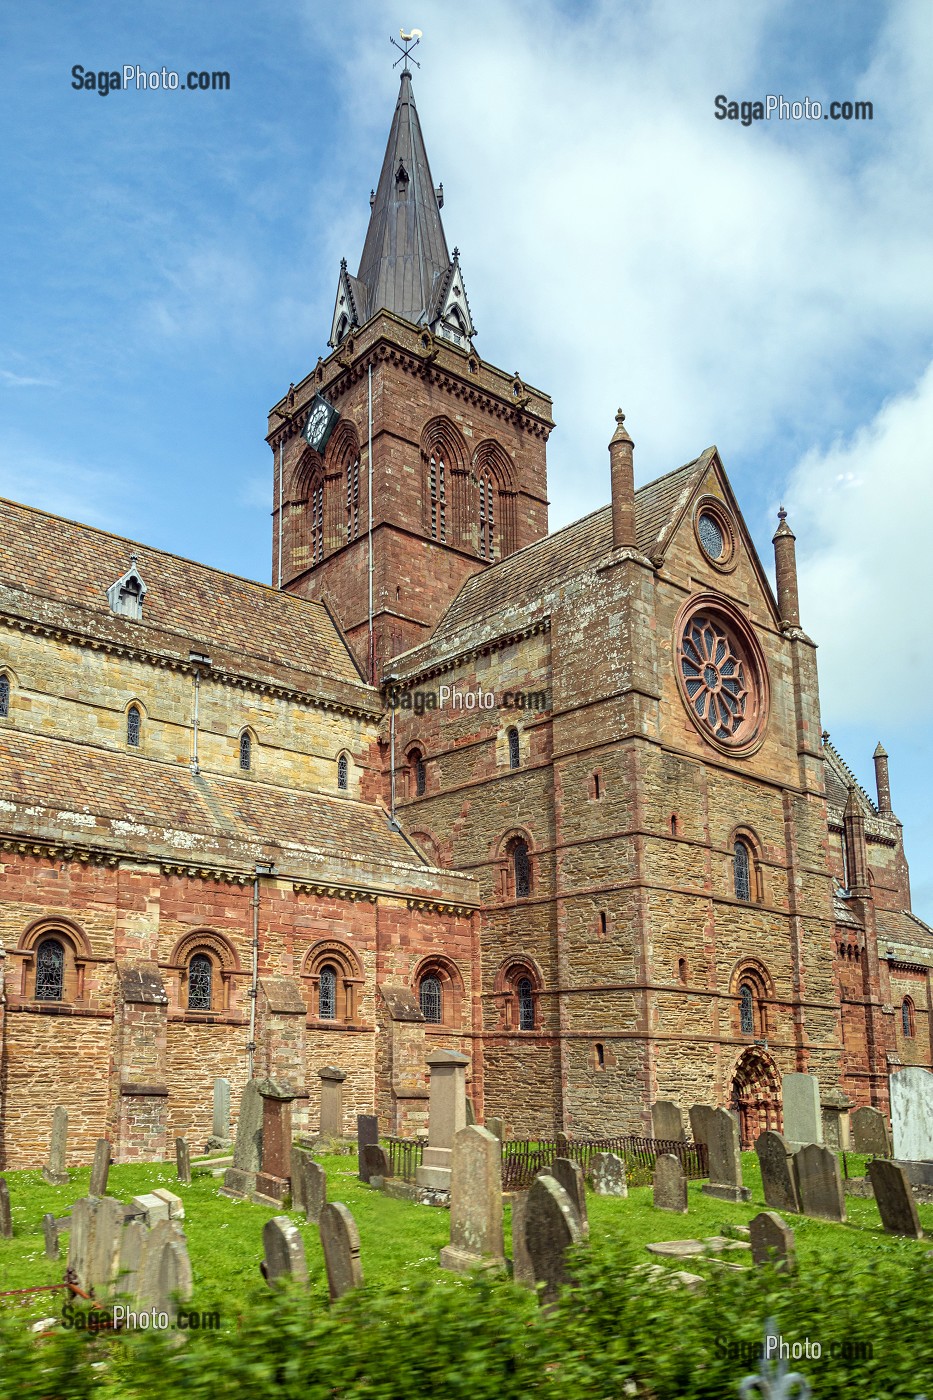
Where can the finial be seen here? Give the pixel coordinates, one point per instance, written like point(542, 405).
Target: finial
point(620, 417)
point(782, 514)
point(456, 250)
point(825, 735)
point(133, 560)
point(343, 264)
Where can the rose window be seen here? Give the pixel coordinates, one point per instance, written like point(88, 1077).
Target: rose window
point(715, 677)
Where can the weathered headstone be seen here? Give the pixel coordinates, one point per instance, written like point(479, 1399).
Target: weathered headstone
point(176, 1206)
point(819, 1182)
point(551, 1227)
point(562, 1140)
point(776, 1159)
point(6, 1219)
point(772, 1241)
point(284, 1252)
point(131, 1249)
point(367, 1132)
point(725, 1159)
point(670, 1184)
point(106, 1238)
point(315, 1190)
point(446, 1117)
point(240, 1179)
point(50, 1232)
point(376, 1162)
point(164, 1273)
point(80, 1239)
point(151, 1208)
point(870, 1133)
point(221, 1122)
point(569, 1174)
point(911, 1093)
point(332, 1101)
point(497, 1127)
point(607, 1174)
point(476, 1237)
point(700, 1115)
point(182, 1161)
point(834, 1108)
point(54, 1172)
point(522, 1271)
point(667, 1124)
point(803, 1121)
point(100, 1169)
point(896, 1204)
point(273, 1180)
point(340, 1241)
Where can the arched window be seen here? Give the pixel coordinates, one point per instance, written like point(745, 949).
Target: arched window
point(526, 1004)
point(246, 751)
point(675, 825)
point(343, 772)
point(200, 982)
point(419, 773)
point(50, 970)
point(521, 869)
point(437, 480)
point(353, 499)
point(746, 1009)
point(742, 872)
point(907, 1016)
point(133, 726)
point(429, 995)
point(682, 969)
point(316, 516)
point(515, 754)
point(327, 994)
point(487, 523)
point(4, 696)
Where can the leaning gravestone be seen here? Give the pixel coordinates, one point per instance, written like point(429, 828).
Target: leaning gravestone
point(550, 1229)
point(819, 1182)
point(164, 1269)
point(896, 1204)
point(569, 1174)
point(870, 1133)
point(104, 1252)
point(912, 1114)
point(725, 1159)
point(772, 1241)
point(315, 1192)
point(247, 1151)
point(131, 1250)
point(667, 1124)
point(340, 1241)
point(376, 1162)
point(6, 1220)
point(803, 1118)
point(54, 1172)
point(522, 1271)
point(101, 1168)
point(182, 1161)
point(607, 1174)
point(367, 1132)
point(284, 1252)
point(50, 1232)
point(476, 1238)
point(700, 1115)
point(80, 1239)
point(776, 1159)
point(670, 1184)
point(221, 1118)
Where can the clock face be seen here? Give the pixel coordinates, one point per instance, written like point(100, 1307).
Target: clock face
point(320, 423)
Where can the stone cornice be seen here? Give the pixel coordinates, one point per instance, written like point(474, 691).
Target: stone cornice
point(469, 653)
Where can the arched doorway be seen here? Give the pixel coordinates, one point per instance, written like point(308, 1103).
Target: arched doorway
point(756, 1095)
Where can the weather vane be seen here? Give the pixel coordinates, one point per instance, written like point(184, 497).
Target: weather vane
point(410, 41)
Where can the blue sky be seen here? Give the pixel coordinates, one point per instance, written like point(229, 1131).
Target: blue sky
point(169, 262)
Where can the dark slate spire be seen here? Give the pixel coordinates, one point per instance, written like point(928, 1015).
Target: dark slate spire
point(405, 267)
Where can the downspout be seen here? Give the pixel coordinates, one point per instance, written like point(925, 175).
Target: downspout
point(372, 657)
point(194, 737)
point(392, 753)
point(281, 440)
point(254, 980)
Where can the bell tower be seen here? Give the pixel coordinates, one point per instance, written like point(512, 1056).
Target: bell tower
point(404, 463)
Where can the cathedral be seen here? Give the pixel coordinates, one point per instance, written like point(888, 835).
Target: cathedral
point(562, 802)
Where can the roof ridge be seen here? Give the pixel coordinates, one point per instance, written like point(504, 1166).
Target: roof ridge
point(853, 780)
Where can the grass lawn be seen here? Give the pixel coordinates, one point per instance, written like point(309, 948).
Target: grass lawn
point(400, 1240)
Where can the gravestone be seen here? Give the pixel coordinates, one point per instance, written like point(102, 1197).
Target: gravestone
point(772, 1241)
point(340, 1241)
point(476, 1238)
point(332, 1101)
point(834, 1109)
point(54, 1172)
point(151, 1208)
point(376, 1162)
point(522, 1271)
point(284, 1252)
point(273, 1180)
point(912, 1114)
point(315, 1183)
point(221, 1122)
point(669, 1184)
point(550, 1229)
point(103, 1260)
point(562, 1141)
point(607, 1174)
point(497, 1127)
point(725, 1159)
point(700, 1115)
point(470, 1113)
point(803, 1121)
point(131, 1249)
point(446, 1117)
point(240, 1179)
point(6, 1219)
point(367, 1133)
point(176, 1206)
point(776, 1159)
point(164, 1273)
point(182, 1161)
point(896, 1204)
point(50, 1232)
point(80, 1239)
point(667, 1124)
point(100, 1169)
point(870, 1133)
point(819, 1182)
point(569, 1174)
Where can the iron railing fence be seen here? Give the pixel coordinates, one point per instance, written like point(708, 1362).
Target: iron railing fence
point(404, 1155)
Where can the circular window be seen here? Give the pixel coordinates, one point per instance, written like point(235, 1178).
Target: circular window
point(722, 675)
point(711, 535)
point(716, 534)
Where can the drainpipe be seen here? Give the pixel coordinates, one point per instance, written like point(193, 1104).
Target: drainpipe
point(281, 440)
point(200, 660)
point(372, 656)
point(254, 978)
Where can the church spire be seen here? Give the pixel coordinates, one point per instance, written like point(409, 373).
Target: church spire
point(406, 267)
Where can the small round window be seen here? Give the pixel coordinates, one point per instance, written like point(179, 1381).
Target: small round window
point(711, 536)
point(716, 533)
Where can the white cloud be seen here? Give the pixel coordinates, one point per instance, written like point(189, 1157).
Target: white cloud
point(23, 381)
point(54, 483)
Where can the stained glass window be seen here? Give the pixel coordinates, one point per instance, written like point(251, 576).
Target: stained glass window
point(342, 772)
point(353, 499)
point(317, 522)
point(711, 536)
point(714, 677)
point(487, 524)
point(526, 1005)
point(246, 751)
point(437, 476)
point(430, 997)
point(746, 1009)
point(50, 970)
point(200, 979)
point(132, 727)
point(327, 996)
point(522, 869)
point(515, 756)
point(907, 1016)
point(419, 772)
point(4, 695)
point(743, 888)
